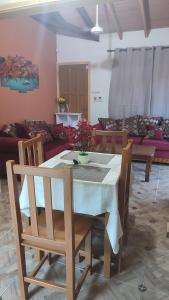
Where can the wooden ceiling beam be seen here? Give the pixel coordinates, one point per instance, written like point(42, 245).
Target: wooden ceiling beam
point(116, 20)
point(85, 17)
point(57, 24)
point(30, 7)
point(145, 12)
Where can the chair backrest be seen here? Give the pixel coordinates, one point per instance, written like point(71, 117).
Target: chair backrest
point(64, 174)
point(124, 182)
point(108, 140)
point(31, 152)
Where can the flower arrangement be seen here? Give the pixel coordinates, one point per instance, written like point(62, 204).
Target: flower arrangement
point(84, 135)
point(62, 102)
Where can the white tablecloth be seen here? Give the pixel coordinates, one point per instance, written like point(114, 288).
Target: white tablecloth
point(89, 197)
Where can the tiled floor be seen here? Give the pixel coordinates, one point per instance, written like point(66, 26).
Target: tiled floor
point(145, 273)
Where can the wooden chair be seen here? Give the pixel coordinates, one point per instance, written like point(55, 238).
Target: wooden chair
point(123, 200)
point(61, 233)
point(108, 140)
point(31, 152)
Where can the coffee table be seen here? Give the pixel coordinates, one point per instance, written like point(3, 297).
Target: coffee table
point(144, 153)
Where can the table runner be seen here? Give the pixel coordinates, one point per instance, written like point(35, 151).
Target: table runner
point(87, 173)
point(99, 158)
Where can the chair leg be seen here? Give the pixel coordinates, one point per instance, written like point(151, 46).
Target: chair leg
point(88, 251)
point(119, 256)
point(107, 251)
point(70, 276)
point(20, 252)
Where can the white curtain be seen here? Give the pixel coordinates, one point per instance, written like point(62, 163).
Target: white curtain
point(160, 87)
point(131, 82)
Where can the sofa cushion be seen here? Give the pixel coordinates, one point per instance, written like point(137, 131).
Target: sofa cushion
point(108, 123)
point(9, 144)
point(136, 139)
point(160, 145)
point(162, 154)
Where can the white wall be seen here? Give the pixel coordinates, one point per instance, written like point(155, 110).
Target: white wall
point(78, 50)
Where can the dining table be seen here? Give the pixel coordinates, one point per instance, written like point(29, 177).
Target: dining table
point(95, 189)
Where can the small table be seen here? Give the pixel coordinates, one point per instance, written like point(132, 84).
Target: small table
point(95, 189)
point(144, 153)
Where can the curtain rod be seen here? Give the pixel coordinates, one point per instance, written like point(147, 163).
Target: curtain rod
point(139, 48)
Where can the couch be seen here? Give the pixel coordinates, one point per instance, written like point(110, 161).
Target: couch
point(143, 130)
point(54, 140)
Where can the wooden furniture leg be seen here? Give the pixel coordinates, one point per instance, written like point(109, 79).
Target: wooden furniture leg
point(167, 229)
point(88, 252)
point(148, 168)
point(107, 251)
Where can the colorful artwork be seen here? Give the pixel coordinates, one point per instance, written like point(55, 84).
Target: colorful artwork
point(19, 74)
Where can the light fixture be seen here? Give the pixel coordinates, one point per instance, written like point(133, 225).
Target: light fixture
point(97, 29)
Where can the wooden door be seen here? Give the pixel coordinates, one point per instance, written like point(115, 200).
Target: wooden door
point(73, 85)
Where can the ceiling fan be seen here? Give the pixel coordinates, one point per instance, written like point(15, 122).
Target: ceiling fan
point(97, 29)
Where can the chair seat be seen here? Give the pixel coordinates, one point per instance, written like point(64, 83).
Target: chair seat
point(82, 226)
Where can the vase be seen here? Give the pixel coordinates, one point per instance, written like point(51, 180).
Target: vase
point(83, 158)
point(62, 108)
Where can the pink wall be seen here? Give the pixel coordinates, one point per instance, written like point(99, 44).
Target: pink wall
point(25, 37)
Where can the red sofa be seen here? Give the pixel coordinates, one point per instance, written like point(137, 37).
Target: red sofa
point(144, 131)
point(9, 146)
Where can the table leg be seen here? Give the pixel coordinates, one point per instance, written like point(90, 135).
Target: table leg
point(148, 169)
point(107, 251)
point(167, 229)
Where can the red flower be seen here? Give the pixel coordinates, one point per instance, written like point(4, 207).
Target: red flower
point(84, 134)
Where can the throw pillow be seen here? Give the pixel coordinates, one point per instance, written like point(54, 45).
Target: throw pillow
point(4, 134)
point(46, 136)
point(36, 125)
point(10, 130)
point(165, 128)
point(21, 130)
point(58, 132)
point(131, 124)
point(108, 123)
point(143, 121)
point(154, 133)
point(120, 124)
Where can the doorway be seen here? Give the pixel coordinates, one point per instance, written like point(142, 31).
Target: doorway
point(74, 86)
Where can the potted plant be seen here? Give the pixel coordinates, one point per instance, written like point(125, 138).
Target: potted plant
point(84, 134)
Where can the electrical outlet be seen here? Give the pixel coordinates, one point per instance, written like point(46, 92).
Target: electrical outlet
point(98, 99)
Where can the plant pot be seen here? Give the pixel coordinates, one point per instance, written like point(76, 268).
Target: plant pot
point(83, 158)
